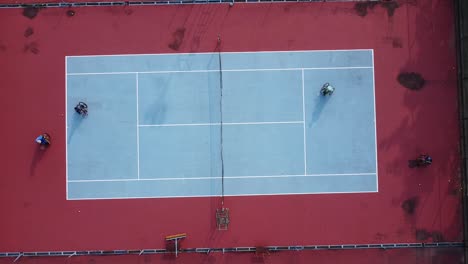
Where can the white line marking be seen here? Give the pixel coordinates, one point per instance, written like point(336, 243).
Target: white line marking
point(141, 72)
point(375, 127)
point(224, 124)
point(231, 195)
point(229, 177)
point(66, 130)
point(304, 124)
point(298, 69)
point(225, 70)
point(216, 53)
point(137, 127)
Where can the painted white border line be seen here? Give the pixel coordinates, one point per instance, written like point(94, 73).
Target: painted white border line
point(228, 70)
point(224, 124)
point(217, 195)
point(66, 130)
point(228, 177)
point(174, 54)
point(375, 126)
point(215, 53)
point(304, 124)
point(141, 72)
point(137, 127)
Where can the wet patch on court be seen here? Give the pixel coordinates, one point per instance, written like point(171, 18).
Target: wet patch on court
point(28, 32)
point(31, 12)
point(390, 6)
point(32, 47)
point(178, 38)
point(362, 8)
point(410, 205)
point(411, 80)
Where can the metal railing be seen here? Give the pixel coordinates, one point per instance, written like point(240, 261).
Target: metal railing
point(270, 249)
point(461, 23)
point(160, 2)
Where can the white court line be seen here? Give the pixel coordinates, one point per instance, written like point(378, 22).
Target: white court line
point(298, 69)
point(141, 72)
point(217, 195)
point(224, 124)
point(228, 70)
point(215, 53)
point(229, 177)
point(375, 126)
point(304, 124)
point(138, 128)
point(66, 131)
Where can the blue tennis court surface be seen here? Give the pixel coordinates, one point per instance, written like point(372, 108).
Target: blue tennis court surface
point(154, 124)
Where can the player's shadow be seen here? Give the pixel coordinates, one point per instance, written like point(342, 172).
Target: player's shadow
point(416, 164)
point(320, 102)
point(36, 158)
point(412, 163)
point(75, 122)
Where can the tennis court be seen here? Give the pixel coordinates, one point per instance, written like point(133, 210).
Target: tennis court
point(300, 171)
point(174, 125)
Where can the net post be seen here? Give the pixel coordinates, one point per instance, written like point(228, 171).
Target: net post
point(175, 239)
point(222, 218)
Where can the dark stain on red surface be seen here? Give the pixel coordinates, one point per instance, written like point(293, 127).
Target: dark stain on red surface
point(30, 12)
point(71, 13)
point(390, 6)
point(410, 205)
point(411, 80)
point(178, 38)
point(362, 7)
point(28, 32)
point(2, 47)
point(32, 47)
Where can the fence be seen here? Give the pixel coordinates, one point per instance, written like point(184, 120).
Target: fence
point(94, 3)
point(461, 16)
point(388, 246)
